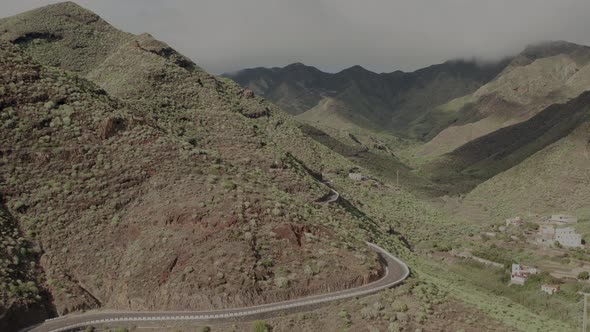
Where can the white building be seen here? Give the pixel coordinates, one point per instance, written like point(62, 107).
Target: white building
point(523, 269)
point(563, 219)
point(550, 289)
point(520, 273)
point(568, 237)
point(518, 279)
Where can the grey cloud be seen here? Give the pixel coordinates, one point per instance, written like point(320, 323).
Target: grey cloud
point(380, 35)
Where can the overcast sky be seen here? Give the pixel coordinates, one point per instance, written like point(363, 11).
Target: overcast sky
point(380, 35)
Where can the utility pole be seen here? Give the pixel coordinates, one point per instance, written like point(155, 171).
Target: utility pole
point(584, 322)
point(584, 318)
point(397, 174)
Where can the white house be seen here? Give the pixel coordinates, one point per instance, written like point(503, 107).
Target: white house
point(550, 289)
point(520, 273)
point(523, 269)
point(568, 237)
point(518, 279)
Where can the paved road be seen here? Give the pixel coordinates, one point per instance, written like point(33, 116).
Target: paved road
point(331, 197)
point(395, 272)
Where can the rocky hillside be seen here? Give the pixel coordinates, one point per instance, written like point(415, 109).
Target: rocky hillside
point(542, 75)
point(21, 280)
point(63, 35)
point(358, 97)
point(147, 183)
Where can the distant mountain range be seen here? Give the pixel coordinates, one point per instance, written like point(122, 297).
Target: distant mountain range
point(470, 122)
point(360, 97)
point(469, 98)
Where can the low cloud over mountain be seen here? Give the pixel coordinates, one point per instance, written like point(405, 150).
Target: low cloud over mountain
point(380, 35)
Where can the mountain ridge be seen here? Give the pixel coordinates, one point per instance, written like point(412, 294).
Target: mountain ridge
point(538, 77)
point(387, 100)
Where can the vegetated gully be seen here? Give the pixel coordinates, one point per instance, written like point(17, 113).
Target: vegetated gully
point(396, 271)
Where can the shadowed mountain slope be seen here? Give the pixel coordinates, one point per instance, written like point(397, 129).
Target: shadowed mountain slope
point(505, 148)
point(556, 178)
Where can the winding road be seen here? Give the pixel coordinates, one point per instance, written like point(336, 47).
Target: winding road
point(331, 197)
point(396, 271)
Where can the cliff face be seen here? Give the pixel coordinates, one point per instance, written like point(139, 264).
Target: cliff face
point(149, 184)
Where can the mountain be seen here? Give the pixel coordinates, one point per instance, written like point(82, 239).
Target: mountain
point(133, 180)
point(539, 164)
point(486, 156)
point(542, 164)
point(542, 75)
point(556, 178)
point(358, 97)
point(64, 35)
point(147, 183)
point(291, 87)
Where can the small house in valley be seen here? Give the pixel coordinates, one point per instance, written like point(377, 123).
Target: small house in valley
point(568, 237)
point(550, 289)
point(518, 279)
point(548, 234)
point(520, 273)
point(523, 269)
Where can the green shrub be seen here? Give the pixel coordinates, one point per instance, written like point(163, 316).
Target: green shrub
point(584, 275)
point(229, 185)
point(399, 306)
point(345, 317)
point(120, 329)
point(266, 262)
point(261, 326)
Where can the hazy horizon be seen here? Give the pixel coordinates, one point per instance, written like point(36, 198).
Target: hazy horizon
point(225, 36)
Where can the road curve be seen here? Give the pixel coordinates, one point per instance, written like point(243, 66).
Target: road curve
point(396, 271)
point(331, 197)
